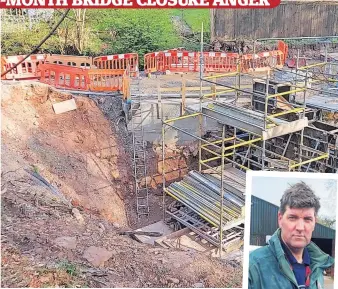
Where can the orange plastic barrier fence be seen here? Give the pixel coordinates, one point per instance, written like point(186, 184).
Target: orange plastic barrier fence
point(119, 61)
point(151, 62)
point(177, 61)
point(174, 60)
point(167, 59)
point(70, 60)
point(3, 67)
point(262, 61)
point(106, 79)
point(292, 63)
point(220, 61)
point(63, 76)
point(25, 70)
point(29, 68)
point(126, 87)
point(282, 46)
point(212, 61)
point(185, 61)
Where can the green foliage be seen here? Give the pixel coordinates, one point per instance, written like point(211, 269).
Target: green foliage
point(110, 31)
point(193, 42)
point(68, 267)
point(35, 169)
point(130, 30)
point(21, 40)
point(194, 18)
point(328, 222)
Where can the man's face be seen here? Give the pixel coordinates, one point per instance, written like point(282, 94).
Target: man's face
point(297, 226)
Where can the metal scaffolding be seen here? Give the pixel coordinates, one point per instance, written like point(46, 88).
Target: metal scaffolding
point(274, 121)
point(247, 141)
point(210, 197)
point(139, 153)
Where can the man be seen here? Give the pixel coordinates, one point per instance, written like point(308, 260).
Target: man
point(291, 260)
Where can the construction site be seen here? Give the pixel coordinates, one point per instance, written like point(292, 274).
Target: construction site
point(117, 175)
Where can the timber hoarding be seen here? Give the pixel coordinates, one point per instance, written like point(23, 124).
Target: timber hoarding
point(289, 19)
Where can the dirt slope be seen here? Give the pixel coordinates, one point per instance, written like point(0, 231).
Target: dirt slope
point(76, 150)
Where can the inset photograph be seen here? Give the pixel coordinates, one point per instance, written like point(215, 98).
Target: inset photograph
point(290, 230)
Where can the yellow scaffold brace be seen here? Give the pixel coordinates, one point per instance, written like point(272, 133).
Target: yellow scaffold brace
point(286, 92)
point(220, 141)
point(221, 75)
point(312, 65)
point(218, 92)
point(324, 156)
point(294, 110)
point(182, 117)
point(215, 158)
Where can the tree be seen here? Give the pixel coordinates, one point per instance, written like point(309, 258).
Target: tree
point(328, 222)
point(106, 31)
point(130, 30)
point(74, 36)
point(326, 218)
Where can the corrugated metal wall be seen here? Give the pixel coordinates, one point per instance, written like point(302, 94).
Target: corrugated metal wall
point(289, 19)
point(264, 222)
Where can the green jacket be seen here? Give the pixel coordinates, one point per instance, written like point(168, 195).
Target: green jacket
point(269, 268)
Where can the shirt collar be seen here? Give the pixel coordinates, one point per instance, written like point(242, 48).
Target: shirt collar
point(291, 258)
point(306, 257)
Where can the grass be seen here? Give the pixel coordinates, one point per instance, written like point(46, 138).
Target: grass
point(65, 275)
point(194, 18)
point(35, 169)
point(68, 267)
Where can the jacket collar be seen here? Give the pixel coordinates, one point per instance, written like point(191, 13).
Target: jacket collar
point(276, 248)
point(318, 259)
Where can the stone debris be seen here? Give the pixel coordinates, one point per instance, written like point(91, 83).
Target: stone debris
point(173, 280)
point(78, 216)
point(97, 256)
point(66, 242)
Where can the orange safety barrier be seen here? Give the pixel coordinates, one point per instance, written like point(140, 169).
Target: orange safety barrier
point(63, 76)
point(250, 61)
point(119, 61)
point(283, 47)
point(212, 61)
point(3, 67)
point(106, 79)
point(25, 70)
point(177, 60)
point(70, 60)
point(161, 61)
point(174, 60)
point(151, 62)
point(219, 61)
point(261, 61)
point(126, 87)
point(292, 63)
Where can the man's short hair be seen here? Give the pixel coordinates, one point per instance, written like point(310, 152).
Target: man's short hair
point(299, 195)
